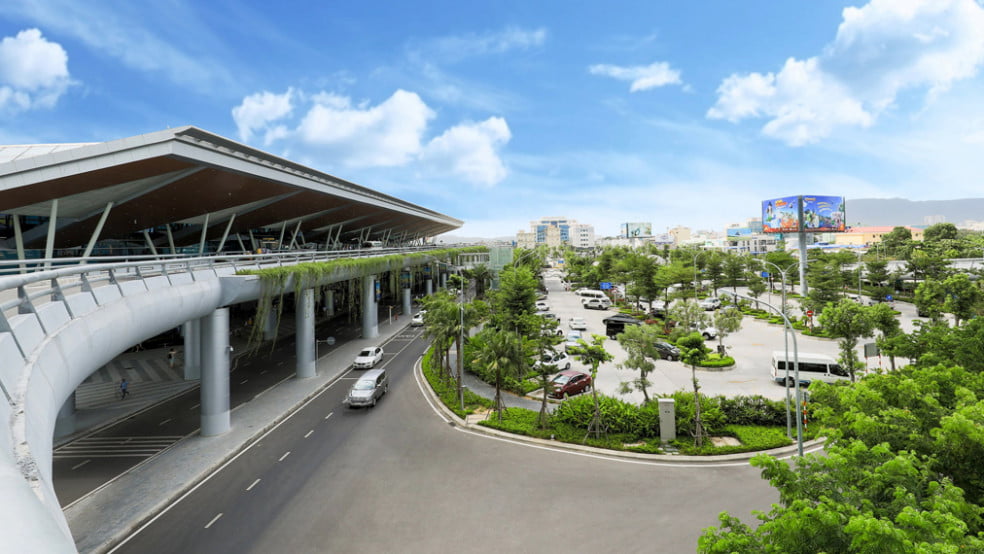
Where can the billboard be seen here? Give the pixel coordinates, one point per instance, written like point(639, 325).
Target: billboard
point(630, 230)
point(811, 214)
point(823, 214)
point(739, 232)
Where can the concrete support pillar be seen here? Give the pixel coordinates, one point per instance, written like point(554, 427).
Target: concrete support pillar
point(370, 310)
point(428, 286)
point(444, 281)
point(270, 324)
point(304, 318)
point(192, 349)
point(330, 302)
point(65, 423)
point(407, 302)
point(215, 373)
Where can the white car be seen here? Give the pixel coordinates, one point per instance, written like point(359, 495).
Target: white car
point(572, 338)
point(706, 332)
point(542, 306)
point(596, 304)
point(711, 303)
point(418, 319)
point(368, 358)
point(577, 323)
point(560, 360)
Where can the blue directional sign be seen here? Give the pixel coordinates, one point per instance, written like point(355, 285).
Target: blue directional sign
point(888, 297)
point(605, 285)
point(765, 274)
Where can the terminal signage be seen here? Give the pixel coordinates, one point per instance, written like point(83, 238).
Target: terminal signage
point(605, 285)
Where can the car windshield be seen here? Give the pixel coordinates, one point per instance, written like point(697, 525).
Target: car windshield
point(364, 385)
point(365, 353)
point(561, 379)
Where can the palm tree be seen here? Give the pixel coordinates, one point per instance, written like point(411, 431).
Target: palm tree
point(501, 354)
point(441, 326)
point(482, 275)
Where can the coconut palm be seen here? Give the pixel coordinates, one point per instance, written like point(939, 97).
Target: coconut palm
point(501, 353)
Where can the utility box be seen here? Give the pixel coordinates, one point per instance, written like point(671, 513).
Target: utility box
point(667, 420)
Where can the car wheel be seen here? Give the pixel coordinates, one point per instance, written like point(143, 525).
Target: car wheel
point(587, 388)
point(707, 336)
point(373, 405)
point(386, 389)
point(568, 365)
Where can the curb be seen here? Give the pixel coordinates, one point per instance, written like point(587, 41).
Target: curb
point(454, 420)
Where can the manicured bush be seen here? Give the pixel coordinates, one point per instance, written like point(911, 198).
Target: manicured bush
point(715, 360)
point(752, 410)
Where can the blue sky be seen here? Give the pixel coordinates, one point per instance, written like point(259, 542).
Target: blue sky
point(498, 113)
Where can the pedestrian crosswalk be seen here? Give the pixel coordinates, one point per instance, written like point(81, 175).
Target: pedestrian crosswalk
point(116, 447)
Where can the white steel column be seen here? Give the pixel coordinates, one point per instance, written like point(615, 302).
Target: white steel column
point(150, 243)
point(225, 234)
point(370, 310)
point(170, 238)
point(19, 240)
point(49, 247)
point(97, 230)
point(201, 244)
point(215, 373)
point(304, 318)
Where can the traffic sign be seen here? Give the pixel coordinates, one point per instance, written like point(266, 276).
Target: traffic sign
point(809, 313)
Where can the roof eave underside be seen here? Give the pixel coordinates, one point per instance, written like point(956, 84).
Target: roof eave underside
point(187, 175)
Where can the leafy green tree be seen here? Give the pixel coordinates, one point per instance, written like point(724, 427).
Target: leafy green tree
point(963, 297)
point(726, 321)
point(593, 354)
point(926, 264)
point(638, 341)
point(896, 239)
point(482, 276)
point(515, 298)
point(940, 231)
point(756, 287)
point(825, 284)
point(849, 321)
point(884, 320)
point(714, 271)
point(545, 342)
point(501, 354)
point(688, 314)
point(855, 498)
point(692, 353)
point(734, 271)
point(440, 325)
point(929, 297)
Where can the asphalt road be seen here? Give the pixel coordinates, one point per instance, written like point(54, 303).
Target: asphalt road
point(398, 478)
point(92, 460)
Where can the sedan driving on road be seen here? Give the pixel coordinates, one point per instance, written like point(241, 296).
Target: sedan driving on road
point(368, 358)
point(577, 323)
point(667, 351)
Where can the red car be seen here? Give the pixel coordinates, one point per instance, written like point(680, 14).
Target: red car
point(568, 383)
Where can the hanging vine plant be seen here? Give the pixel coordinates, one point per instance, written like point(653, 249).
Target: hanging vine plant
point(319, 275)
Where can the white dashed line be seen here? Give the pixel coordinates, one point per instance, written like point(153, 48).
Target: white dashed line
point(163, 422)
point(214, 519)
point(309, 433)
point(284, 456)
point(194, 407)
point(76, 466)
point(252, 485)
point(329, 415)
point(244, 381)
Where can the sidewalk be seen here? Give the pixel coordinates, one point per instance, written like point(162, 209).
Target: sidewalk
point(108, 515)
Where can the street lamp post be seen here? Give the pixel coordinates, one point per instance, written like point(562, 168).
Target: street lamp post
point(860, 253)
point(695, 276)
point(789, 331)
point(786, 331)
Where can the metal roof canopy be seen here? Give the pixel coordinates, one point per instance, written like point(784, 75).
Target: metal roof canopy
point(190, 176)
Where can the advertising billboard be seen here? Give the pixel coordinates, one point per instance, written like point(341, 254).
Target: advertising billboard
point(811, 214)
point(739, 232)
point(630, 230)
point(780, 215)
point(823, 214)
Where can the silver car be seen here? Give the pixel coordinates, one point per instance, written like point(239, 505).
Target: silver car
point(368, 389)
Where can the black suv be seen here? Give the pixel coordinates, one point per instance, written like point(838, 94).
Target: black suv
point(667, 351)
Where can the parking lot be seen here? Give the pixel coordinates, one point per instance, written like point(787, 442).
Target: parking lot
point(751, 347)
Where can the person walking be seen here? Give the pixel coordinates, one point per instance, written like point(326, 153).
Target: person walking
point(124, 388)
point(171, 355)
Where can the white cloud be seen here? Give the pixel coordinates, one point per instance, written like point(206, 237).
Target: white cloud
point(33, 71)
point(469, 151)
point(642, 77)
point(259, 110)
point(455, 48)
point(385, 135)
point(880, 50)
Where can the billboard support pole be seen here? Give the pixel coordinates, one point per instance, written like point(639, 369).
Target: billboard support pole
point(804, 290)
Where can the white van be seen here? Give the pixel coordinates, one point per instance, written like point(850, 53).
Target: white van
point(812, 367)
point(587, 294)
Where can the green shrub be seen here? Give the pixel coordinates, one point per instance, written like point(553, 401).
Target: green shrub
point(753, 439)
point(752, 410)
point(716, 361)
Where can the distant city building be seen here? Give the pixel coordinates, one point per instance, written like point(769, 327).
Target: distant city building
point(934, 219)
point(680, 234)
point(866, 236)
point(972, 225)
point(556, 231)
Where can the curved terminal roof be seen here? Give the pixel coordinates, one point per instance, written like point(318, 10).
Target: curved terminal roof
point(193, 177)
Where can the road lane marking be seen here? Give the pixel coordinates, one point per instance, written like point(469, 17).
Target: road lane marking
point(284, 456)
point(214, 519)
point(194, 407)
point(252, 485)
point(309, 433)
point(163, 422)
point(329, 415)
point(76, 466)
point(244, 381)
point(262, 372)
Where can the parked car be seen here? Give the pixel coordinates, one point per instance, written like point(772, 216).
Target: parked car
point(368, 389)
point(577, 323)
point(711, 303)
point(568, 383)
point(572, 338)
point(706, 332)
point(559, 360)
point(551, 316)
point(418, 319)
point(542, 306)
point(667, 351)
point(368, 357)
point(597, 304)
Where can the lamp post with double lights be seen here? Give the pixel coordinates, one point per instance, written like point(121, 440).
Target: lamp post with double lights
point(786, 332)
